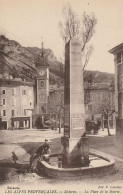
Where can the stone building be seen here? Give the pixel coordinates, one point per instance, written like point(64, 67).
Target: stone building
point(22, 103)
point(100, 96)
point(16, 104)
point(118, 62)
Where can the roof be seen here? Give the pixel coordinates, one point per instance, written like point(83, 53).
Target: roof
point(54, 88)
point(16, 117)
point(94, 86)
point(98, 86)
point(116, 49)
point(11, 82)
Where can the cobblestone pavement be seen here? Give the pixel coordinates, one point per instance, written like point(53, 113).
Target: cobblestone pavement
point(25, 143)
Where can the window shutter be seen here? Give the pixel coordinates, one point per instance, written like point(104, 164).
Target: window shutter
point(1, 102)
point(13, 101)
point(1, 113)
point(1, 91)
point(13, 91)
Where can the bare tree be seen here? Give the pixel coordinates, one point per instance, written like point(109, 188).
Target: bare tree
point(70, 25)
point(56, 106)
point(60, 79)
point(86, 55)
point(107, 107)
point(88, 82)
point(82, 29)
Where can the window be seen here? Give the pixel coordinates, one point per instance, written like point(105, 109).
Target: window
point(4, 102)
point(23, 92)
point(4, 112)
point(13, 91)
point(26, 124)
point(119, 57)
point(13, 102)
point(41, 84)
point(120, 82)
point(13, 113)
point(4, 91)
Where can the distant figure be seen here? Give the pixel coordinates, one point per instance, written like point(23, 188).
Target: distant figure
point(41, 154)
point(46, 147)
point(47, 152)
point(14, 157)
point(59, 161)
point(33, 162)
point(99, 124)
point(39, 123)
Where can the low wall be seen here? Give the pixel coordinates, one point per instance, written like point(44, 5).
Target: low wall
point(119, 139)
point(95, 141)
point(81, 171)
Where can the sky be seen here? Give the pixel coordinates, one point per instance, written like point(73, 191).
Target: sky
point(31, 21)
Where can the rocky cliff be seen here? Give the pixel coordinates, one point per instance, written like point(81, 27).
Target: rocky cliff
point(19, 62)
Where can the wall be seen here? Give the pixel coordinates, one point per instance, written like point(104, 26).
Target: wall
point(14, 100)
point(99, 99)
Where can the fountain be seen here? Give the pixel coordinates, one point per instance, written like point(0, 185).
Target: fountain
point(75, 158)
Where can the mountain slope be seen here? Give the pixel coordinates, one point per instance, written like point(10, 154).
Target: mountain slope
point(20, 61)
point(98, 77)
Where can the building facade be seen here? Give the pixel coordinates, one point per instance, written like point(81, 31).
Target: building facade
point(118, 62)
point(22, 103)
point(100, 96)
point(16, 104)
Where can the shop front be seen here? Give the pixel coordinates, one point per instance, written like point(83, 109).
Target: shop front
point(21, 122)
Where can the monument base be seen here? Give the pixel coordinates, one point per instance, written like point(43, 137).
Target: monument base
point(75, 152)
point(119, 133)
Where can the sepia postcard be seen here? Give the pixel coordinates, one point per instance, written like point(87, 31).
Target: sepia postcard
point(61, 97)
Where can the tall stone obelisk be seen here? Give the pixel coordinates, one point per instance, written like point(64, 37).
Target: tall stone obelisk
point(74, 146)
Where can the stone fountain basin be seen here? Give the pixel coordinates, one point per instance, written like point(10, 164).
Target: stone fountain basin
point(80, 172)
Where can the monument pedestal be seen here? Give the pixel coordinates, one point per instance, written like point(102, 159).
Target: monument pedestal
point(75, 150)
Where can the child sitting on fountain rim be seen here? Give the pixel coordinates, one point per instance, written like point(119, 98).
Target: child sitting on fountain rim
point(14, 157)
